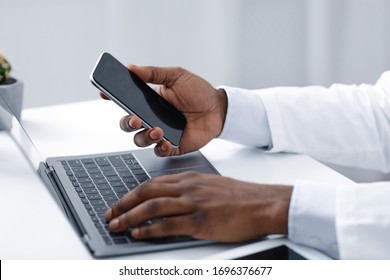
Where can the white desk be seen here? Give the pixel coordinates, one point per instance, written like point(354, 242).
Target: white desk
point(33, 227)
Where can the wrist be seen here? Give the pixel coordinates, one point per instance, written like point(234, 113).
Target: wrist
point(222, 103)
point(278, 215)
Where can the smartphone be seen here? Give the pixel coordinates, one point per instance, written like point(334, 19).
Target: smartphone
point(127, 90)
point(282, 252)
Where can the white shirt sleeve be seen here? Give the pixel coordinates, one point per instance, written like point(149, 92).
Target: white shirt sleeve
point(343, 124)
point(363, 221)
point(312, 216)
point(246, 119)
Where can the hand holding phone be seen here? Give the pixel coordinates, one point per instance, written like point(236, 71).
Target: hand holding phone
point(127, 90)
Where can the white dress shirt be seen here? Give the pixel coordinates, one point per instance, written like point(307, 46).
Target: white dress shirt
point(344, 124)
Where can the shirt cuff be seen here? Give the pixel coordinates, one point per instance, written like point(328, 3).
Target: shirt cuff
point(246, 119)
point(312, 217)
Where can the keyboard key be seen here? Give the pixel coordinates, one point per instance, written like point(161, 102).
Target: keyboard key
point(142, 178)
point(91, 213)
point(129, 180)
point(107, 192)
point(91, 166)
point(121, 169)
point(88, 206)
point(95, 219)
point(110, 198)
point(74, 163)
point(87, 160)
point(138, 172)
point(100, 181)
point(120, 240)
point(85, 201)
point(93, 171)
point(100, 209)
point(116, 161)
point(107, 240)
point(133, 166)
point(81, 195)
point(121, 194)
point(113, 178)
point(94, 196)
point(87, 185)
point(91, 191)
point(72, 178)
point(131, 186)
point(69, 173)
point(109, 173)
point(98, 225)
point(125, 174)
point(78, 169)
point(116, 184)
point(97, 175)
point(84, 180)
point(98, 203)
point(111, 202)
point(127, 156)
point(81, 175)
point(103, 187)
point(106, 168)
point(102, 161)
point(75, 184)
point(120, 189)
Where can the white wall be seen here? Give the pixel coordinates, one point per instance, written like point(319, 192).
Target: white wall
point(54, 44)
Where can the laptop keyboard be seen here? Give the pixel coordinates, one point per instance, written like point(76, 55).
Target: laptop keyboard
point(100, 182)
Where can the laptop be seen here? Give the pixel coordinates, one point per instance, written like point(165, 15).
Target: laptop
point(86, 186)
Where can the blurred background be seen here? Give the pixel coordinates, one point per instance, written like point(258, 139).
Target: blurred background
point(53, 45)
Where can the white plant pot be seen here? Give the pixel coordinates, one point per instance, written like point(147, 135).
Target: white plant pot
point(13, 95)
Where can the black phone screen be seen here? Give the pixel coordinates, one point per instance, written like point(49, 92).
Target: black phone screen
point(138, 98)
point(278, 253)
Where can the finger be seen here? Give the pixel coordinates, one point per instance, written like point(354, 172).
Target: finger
point(150, 209)
point(163, 149)
point(130, 123)
point(157, 75)
point(173, 226)
point(147, 190)
point(148, 137)
point(103, 96)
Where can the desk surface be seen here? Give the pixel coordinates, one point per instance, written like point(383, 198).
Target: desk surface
point(34, 226)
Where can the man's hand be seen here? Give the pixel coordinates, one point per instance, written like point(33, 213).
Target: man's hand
point(202, 206)
point(203, 106)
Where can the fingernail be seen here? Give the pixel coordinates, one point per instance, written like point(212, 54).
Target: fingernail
point(114, 224)
point(135, 232)
point(131, 124)
point(153, 134)
point(163, 148)
point(108, 215)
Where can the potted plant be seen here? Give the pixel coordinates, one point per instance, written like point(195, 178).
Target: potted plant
point(11, 89)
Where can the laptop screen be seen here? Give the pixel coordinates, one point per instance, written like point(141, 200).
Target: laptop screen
point(10, 123)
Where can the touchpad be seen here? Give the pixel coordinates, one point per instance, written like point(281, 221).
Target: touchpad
point(202, 169)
